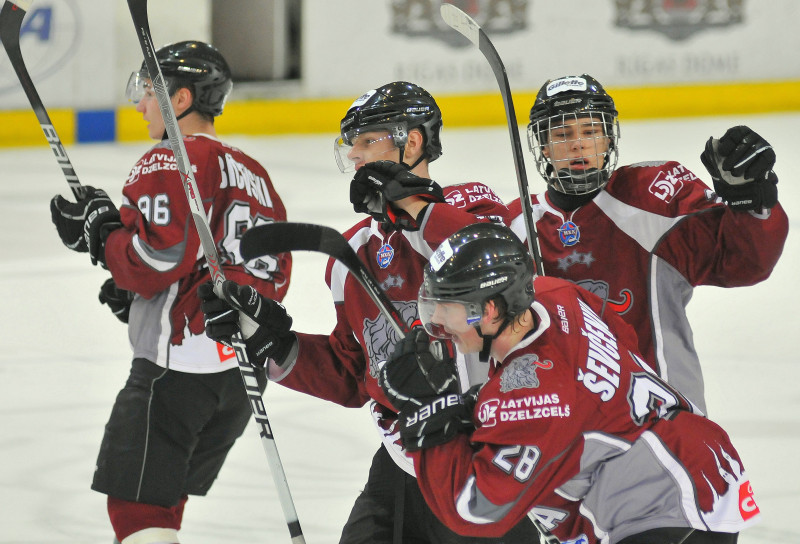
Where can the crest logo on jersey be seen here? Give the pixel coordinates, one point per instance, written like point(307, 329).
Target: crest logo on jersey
point(487, 413)
point(385, 255)
point(600, 288)
point(380, 336)
point(678, 20)
point(576, 257)
point(521, 373)
point(569, 233)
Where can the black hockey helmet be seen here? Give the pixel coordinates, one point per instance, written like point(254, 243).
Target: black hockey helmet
point(198, 66)
point(573, 97)
point(396, 107)
point(479, 262)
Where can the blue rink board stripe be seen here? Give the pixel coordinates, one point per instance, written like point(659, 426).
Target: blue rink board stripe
point(95, 126)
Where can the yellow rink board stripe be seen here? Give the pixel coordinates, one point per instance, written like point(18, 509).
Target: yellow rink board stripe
point(318, 116)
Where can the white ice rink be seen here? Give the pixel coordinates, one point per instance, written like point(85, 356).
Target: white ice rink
point(63, 356)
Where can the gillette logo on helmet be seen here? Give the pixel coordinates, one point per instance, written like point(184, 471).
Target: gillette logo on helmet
point(492, 282)
point(363, 99)
point(566, 84)
point(440, 256)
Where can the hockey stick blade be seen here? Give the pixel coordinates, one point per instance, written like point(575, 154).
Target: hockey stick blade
point(467, 27)
point(281, 237)
point(11, 15)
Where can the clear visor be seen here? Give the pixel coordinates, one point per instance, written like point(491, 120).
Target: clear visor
point(446, 318)
point(138, 85)
point(360, 146)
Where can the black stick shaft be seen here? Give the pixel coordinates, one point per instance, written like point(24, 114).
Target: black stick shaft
point(467, 27)
point(11, 15)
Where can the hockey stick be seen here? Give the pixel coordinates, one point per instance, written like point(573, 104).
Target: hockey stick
point(467, 27)
point(275, 238)
point(138, 9)
point(11, 15)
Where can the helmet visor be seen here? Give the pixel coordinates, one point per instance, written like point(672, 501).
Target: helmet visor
point(361, 146)
point(138, 85)
point(444, 318)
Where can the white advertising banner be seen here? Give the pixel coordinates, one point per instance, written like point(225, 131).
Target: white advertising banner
point(68, 49)
point(353, 45)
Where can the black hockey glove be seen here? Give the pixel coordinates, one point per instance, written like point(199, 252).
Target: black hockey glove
point(417, 370)
point(84, 225)
point(740, 164)
point(377, 184)
point(118, 300)
point(438, 420)
point(420, 381)
point(263, 322)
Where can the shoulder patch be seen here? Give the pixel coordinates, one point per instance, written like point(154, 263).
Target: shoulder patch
point(521, 373)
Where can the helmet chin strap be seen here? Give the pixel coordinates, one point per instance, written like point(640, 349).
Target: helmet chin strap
point(421, 158)
point(186, 112)
point(483, 355)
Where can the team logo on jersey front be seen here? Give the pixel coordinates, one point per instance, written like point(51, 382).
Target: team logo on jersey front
point(380, 335)
point(521, 372)
point(569, 233)
point(385, 255)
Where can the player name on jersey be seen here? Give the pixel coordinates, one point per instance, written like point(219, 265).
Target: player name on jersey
point(236, 174)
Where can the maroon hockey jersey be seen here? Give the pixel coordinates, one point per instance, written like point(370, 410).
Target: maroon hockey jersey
point(157, 253)
point(342, 367)
point(654, 233)
point(574, 414)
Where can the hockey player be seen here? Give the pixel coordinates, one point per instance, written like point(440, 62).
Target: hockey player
point(183, 405)
point(389, 136)
point(570, 410)
point(643, 236)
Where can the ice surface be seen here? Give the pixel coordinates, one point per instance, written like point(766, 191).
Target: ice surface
point(64, 356)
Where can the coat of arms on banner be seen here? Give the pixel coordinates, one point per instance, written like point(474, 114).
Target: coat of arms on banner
point(678, 19)
point(421, 18)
